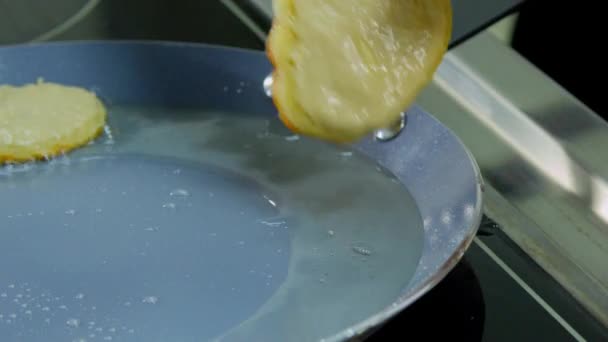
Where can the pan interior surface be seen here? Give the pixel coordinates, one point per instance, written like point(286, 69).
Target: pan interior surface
point(190, 224)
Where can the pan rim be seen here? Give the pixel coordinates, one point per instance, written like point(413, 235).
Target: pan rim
point(377, 320)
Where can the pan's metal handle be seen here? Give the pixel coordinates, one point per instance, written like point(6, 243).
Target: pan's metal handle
point(385, 134)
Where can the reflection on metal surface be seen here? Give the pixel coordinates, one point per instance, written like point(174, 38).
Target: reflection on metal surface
point(390, 133)
point(25, 20)
point(509, 122)
point(537, 147)
point(210, 22)
point(238, 12)
point(537, 298)
point(73, 20)
point(268, 85)
point(531, 141)
point(263, 5)
point(600, 197)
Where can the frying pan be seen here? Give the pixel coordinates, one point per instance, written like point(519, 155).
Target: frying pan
point(198, 216)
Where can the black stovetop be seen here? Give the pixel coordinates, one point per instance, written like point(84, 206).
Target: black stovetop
point(495, 294)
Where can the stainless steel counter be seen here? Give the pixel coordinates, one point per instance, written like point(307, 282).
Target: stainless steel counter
point(34, 19)
point(541, 154)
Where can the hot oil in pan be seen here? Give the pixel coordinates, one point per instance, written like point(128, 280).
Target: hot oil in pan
point(182, 224)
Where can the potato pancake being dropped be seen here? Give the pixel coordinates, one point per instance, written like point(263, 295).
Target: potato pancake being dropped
point(345, 68)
